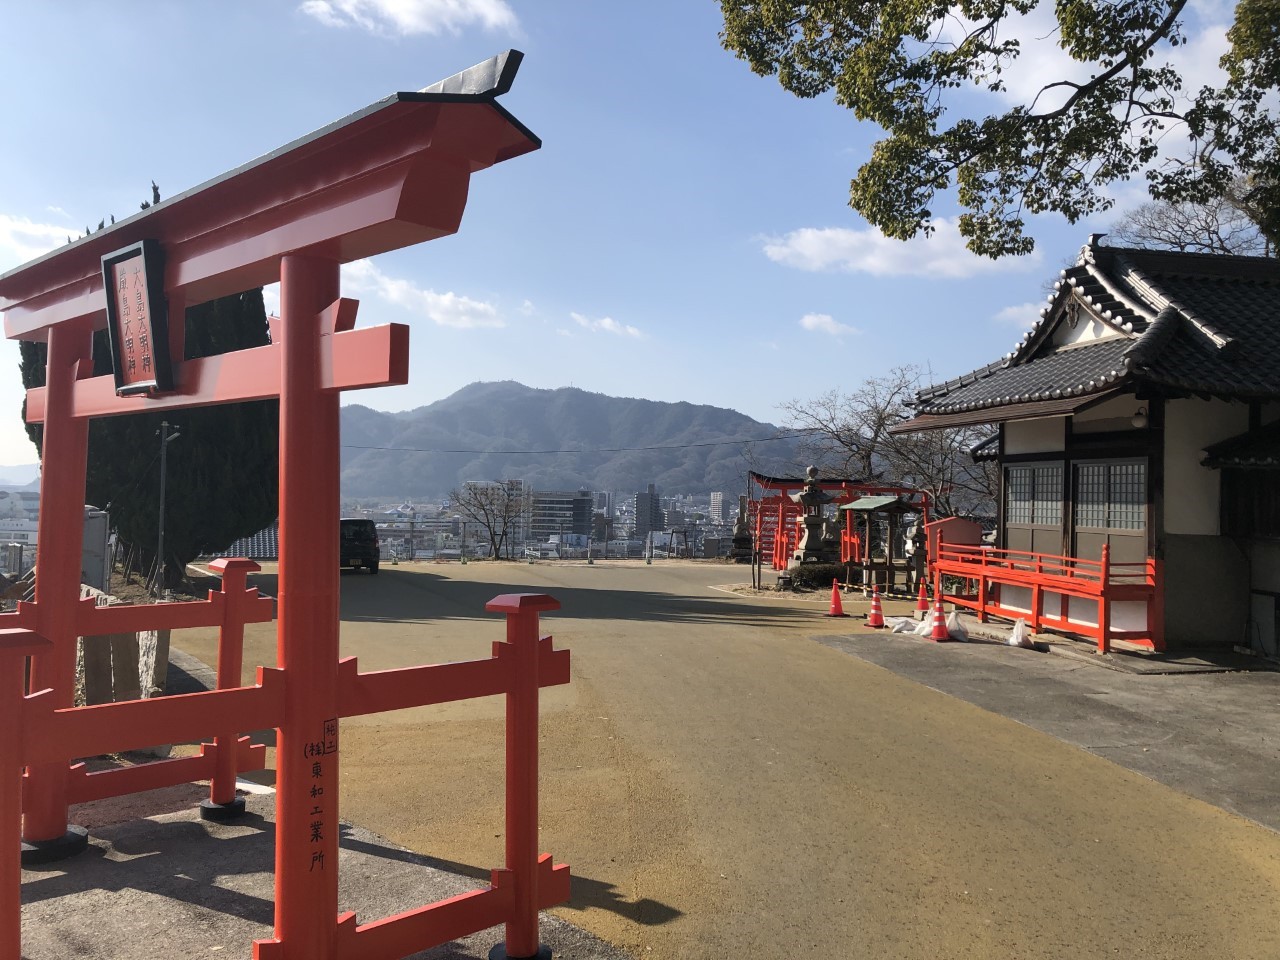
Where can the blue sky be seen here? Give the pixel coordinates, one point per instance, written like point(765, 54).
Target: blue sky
point(682, 235)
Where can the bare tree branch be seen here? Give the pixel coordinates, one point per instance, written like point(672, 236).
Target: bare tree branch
point(851, 438)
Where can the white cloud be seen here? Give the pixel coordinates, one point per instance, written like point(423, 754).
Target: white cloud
point(407, 18)
point(607, 325)
point(869, 251)
point(22, 240)
point(445, 309)
point(825, 323)
point(1023, 315)
point(1198, 59)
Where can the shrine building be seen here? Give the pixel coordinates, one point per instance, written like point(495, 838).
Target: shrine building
point(1138, 437)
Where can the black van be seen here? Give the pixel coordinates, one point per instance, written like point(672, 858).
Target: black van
point(359, 544)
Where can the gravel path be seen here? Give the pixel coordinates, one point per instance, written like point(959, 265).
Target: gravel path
point(721, 783)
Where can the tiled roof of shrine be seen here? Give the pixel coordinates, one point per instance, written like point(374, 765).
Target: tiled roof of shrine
point(1174, 324)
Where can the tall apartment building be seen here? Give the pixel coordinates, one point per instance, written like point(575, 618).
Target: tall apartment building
point(553, 512)
point(716, 511)
point(649, 516)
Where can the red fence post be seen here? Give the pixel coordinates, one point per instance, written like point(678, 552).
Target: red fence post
point(937, 571)
point(15, 645)
point(522, 611)
point(1155, 604)
point(60, 533)
point(12, 679)
point(223, 804)
point(1104, 603)
point(982, 591)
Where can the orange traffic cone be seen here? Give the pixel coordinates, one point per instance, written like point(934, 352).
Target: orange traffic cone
point(922, 601)
point(875, 618)
point(837, 608)
point(939, 631)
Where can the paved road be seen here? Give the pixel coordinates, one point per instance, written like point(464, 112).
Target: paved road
point(721, 783)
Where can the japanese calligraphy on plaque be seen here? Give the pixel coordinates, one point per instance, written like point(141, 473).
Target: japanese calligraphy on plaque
point(137, 321)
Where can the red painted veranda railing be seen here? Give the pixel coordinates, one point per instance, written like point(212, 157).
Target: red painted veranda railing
point(1099, 599)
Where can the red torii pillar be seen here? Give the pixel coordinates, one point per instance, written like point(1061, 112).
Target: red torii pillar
point(307, 744)
point(60, 534)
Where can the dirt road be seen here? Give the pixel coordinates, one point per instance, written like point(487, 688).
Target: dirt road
point(721, 784)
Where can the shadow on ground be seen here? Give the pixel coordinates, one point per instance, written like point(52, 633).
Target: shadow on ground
point(200, 887)
point(177, 873)
point(416, 596)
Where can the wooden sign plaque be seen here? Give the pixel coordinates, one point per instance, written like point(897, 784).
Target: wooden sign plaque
point(137, 318)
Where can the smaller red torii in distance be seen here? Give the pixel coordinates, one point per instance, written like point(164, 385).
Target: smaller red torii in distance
point(772, 514)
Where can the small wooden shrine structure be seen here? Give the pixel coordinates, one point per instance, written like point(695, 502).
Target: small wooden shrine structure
point(776, 520)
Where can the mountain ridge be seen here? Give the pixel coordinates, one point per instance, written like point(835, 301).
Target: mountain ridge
point(555, 439)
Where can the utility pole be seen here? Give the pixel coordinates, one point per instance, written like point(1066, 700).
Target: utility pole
point(165, 437)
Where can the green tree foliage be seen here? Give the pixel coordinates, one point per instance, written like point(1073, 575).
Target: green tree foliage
point(222, 474)
point(912, 67)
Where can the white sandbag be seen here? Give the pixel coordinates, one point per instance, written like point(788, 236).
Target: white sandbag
point(956, 628)
point(1020, 636)
point(902, 625)
point(925, 627)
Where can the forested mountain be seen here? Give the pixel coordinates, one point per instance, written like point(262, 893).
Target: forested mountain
point(495, 431)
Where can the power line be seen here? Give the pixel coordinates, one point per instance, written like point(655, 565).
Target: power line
point(663, 446)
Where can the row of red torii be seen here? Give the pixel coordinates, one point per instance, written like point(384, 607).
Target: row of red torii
point(386, 177)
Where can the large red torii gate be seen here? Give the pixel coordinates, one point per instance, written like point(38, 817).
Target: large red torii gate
point(391, 175)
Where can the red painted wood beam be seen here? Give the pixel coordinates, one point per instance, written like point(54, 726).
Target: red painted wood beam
point(398, 689)
point(436, 923)
point(84, 786)
point(50, 734)
point(445, 920)
point(354, 360)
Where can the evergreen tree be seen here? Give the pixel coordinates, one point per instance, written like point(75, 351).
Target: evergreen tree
point(222, 472)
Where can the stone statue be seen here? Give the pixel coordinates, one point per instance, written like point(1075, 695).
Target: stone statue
point(813, 500)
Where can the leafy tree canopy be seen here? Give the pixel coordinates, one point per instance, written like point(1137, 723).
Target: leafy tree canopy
point(911, 66)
